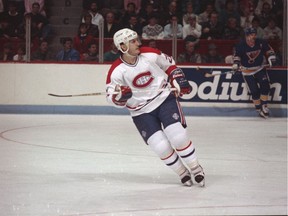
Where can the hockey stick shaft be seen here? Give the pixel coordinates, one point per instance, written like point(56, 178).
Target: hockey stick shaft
point(208, 75)
point(218, 74)
point(105, 93)
point(78, 95)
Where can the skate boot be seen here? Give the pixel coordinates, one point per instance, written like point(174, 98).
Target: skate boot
point(186, 178)
point(198, 173)
point(264, 112)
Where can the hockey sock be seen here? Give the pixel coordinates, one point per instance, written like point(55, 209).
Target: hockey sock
point(178, 137)
point(161, 146)
point(257, 104)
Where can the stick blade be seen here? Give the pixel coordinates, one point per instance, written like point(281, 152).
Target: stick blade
point(208, 75)
point(56, 95)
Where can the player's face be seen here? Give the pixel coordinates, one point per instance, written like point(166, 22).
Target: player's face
point(134, 46)
point(251, 37)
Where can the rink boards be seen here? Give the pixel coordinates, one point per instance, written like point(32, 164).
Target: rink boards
point(24, 88)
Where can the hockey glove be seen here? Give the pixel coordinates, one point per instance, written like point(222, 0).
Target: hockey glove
point(272, 60)
point(178, 81)
point(235, 67)
point(124, 94)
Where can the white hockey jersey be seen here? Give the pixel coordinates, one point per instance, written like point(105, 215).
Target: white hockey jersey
point(145, 78)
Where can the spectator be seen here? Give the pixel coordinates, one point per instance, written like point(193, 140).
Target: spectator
point(19, 4)
point(246, 18)
point(91, 54)
point(265, 15)
point(152, 43)
point(153, 30)
point(7, 30)
point(67, 53)
point(188, 14)
point(12, 17)
point(229, 11)
point(212, 56)
point(256, 25)
point(193, 29)
point(189, 56)
point(43, 53)
point(110, 26)
point(116, 6)
point(245, 5)
point(21, 30)
point(260, 6)
point(155, 3)
point(131, 10)
point(168, 29)
point(7, 54)
point(112, 54)
point(166, 14)
point(82, 39)
point(93, 11)
point(232, 31)
point(204, 17)
point(179, 12)
point(137, 4)
point(145, 14)
point(91, 28)
point(272, 32)
point(39, 22)
point(213, 29)
point(86, 4)
point(134, 24)
point(21, 54)
point(29, 3)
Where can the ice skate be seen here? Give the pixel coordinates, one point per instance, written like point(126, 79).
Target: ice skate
point(264, 112)
point(186, 179)
point(199, 175)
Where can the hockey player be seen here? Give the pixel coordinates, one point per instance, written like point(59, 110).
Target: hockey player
point(250, 55)
point(143, 78)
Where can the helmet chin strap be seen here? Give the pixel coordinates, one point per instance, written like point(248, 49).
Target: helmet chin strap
point(126, 52)
point(130, 55)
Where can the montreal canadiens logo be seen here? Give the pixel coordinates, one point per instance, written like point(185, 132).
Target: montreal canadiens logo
point(143, 79)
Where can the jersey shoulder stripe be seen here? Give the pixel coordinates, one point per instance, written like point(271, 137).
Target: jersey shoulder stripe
point(150, 50)
point(116, 63)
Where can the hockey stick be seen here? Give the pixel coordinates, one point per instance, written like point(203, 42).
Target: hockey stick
point(208, 75)
point(105, 93)
point(79, 95)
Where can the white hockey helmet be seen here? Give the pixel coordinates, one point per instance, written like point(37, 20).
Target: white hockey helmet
point(123, 36)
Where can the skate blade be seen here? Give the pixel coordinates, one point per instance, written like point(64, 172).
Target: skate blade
point(188, 183)
point(202, 184)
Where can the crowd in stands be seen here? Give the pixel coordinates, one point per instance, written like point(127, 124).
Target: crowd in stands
point(13, 19)
point(152, 20)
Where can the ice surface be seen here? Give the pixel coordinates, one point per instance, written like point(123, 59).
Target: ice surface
point(68, 165)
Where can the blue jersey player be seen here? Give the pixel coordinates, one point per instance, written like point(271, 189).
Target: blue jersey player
point(250, 56)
